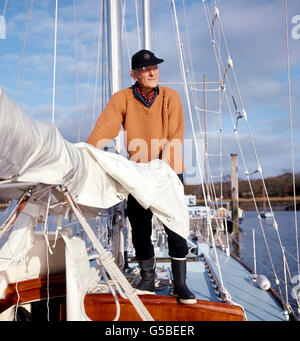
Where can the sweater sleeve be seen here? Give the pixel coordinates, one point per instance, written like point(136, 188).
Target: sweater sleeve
point(171, 152)
point(109, 122)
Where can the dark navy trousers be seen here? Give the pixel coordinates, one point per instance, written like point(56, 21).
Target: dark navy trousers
point(141, 225)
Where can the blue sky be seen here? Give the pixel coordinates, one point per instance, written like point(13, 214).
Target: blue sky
point(255, 33)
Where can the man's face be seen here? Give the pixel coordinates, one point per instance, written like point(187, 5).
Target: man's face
point(147, 77)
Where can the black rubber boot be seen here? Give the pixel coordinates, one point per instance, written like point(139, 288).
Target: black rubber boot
point(180, 288)
point(147, 283)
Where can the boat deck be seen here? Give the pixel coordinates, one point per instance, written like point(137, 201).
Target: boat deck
point(258, 304)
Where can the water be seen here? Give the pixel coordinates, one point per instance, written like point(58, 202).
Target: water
point(271, 257)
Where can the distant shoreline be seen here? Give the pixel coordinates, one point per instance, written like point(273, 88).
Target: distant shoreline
point(278, 203)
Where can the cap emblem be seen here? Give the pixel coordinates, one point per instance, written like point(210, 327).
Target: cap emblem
point(147, 56)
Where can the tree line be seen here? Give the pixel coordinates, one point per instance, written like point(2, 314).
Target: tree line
point(277, 186)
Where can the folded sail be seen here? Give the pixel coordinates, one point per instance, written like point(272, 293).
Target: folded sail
point(33, 151)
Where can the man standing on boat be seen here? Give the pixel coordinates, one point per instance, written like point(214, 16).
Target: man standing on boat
point(153, 120)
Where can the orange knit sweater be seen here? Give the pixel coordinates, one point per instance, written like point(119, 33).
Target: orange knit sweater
point(150, 133)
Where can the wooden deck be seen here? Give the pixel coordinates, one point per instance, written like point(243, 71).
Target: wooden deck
point(102, 307)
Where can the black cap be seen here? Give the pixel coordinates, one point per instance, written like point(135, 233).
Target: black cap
point(144, 58)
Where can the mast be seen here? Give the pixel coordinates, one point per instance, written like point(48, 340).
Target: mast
point(146, 25)
point(114, 52)
point(114, 45)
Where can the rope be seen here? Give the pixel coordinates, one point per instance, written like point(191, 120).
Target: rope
point(227, 296)
point(116, 318)
point(18, 299)
point(48, 286)
point(107, 261)
point(45, 230)
point(93, 287)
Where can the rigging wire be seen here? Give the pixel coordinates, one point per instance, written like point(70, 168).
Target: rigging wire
point(221, 99)
point(76, 68)
point(244, 115)
point(54, 61)
point(23, 51)
point(87, 97)
point(104, 57)
point(219, 63)
point(137, 24)
point(125, 35)
point(192, 73)
point(45, 232)
point(183, 73)
point(100, 33)
point(211, 189)
point(291, 130)
point(3, 13)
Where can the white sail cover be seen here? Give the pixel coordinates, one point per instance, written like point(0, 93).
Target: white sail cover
point(35, 152)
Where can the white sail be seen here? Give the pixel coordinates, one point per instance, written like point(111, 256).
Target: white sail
point(33, 151)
